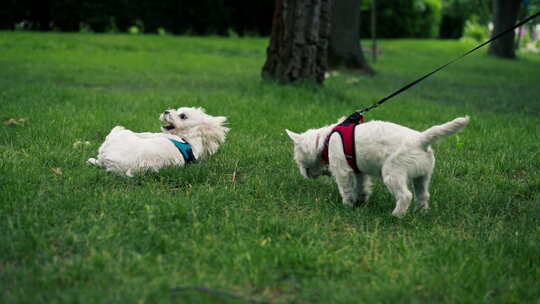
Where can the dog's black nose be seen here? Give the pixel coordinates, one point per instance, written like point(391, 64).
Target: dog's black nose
point(166, 112)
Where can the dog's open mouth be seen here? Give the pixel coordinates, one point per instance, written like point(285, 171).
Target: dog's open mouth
point(168, 127)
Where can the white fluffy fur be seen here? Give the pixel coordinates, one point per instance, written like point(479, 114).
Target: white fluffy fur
point(128, 153)
point(401, 156)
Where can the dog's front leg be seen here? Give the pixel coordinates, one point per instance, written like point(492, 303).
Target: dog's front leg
point(347, 181)
point(348, 187)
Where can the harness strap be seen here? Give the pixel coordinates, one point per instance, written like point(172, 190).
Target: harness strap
point(185, 150)
point(346, 132)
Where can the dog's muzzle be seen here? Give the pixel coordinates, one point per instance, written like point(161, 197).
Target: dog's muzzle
point(164, 117)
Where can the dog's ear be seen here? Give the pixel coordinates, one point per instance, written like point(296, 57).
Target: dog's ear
point(294, 136)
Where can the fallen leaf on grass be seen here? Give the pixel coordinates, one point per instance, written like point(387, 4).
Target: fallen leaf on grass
point(80, 143)
point(352, 80)
point(57, 171)
point(15, 121)
point(265, 241)
point(331, 74)
point(285, 236)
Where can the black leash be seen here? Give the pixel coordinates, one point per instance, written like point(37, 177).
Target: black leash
point(356, 115)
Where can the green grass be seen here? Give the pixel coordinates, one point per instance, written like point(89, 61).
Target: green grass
point(244, 221)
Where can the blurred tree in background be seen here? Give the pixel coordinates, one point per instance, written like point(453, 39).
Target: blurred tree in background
point(298, 47)
point(505, 14)
point(344, 48)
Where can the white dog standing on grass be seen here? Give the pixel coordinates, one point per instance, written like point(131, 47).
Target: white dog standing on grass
point(401, 156)
point(189, 135)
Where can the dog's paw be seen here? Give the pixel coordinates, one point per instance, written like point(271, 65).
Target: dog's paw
point(421, 208)
point(362, 201)
point(351, 204)
point(130, 173)
point(399, 213)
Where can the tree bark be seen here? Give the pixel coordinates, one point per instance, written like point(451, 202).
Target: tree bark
point(299, 41)
point(345, 49)
point(505, 14)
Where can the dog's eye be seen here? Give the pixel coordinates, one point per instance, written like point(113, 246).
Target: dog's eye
point(182, 116)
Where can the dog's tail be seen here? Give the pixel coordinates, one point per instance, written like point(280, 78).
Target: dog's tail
point(432, 134)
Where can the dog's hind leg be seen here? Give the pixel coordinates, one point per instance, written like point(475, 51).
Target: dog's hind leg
point(397, 183)
point(421, 191)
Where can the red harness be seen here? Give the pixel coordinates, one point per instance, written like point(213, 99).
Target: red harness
point(346, 132)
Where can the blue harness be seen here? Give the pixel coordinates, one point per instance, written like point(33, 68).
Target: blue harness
point(185, 150)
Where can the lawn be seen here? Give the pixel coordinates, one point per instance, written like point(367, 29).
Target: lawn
point(245, 223)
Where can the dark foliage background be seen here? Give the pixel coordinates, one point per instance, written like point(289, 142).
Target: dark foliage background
point(408, 18)
point(199, 17)
point(404, 18)
point(395, 19)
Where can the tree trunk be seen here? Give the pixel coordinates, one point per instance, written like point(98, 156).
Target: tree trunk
point(345, 49)
point(505, 14)
point(299, 41)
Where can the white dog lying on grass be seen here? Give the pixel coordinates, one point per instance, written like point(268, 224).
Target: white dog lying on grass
point(189, 135)
point(401, 156)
